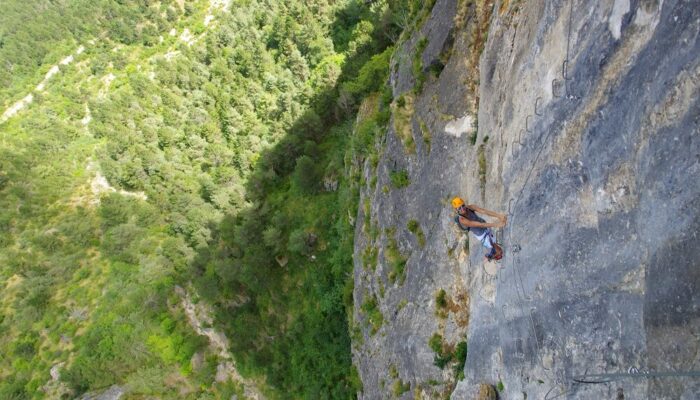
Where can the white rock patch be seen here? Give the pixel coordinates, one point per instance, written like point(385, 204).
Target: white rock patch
point(99, 185)
point(460, 126)
point(620, 8)
point(17, 107)
point(106, 81)
point(222, 4)
point(52, 71)
point(88, 116)
point(187, 37)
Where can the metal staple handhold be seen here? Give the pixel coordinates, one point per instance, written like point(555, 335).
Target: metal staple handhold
point(520, 135)
point(527, 124)
point(565, 73)
point(554, 92)
point(537, 101)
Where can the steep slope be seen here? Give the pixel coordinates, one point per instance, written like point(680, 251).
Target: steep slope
point(72, 315)
point(591, 114)
point(191, 144)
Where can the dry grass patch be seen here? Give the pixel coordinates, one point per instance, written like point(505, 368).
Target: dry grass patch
point(403, 109)
point(368, 108)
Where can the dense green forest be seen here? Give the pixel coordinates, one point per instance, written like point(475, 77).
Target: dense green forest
point(230, 137)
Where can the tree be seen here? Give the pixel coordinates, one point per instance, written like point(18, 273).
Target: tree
point(305, 175)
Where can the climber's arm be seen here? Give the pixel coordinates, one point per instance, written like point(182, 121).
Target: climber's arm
point(502, 217)
point(476, 224)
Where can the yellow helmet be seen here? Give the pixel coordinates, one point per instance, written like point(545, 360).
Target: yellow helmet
point(457, 202)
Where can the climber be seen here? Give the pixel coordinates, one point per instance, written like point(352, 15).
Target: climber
point(468, 221)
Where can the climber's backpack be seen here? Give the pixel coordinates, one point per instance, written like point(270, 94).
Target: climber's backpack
point(499, 252)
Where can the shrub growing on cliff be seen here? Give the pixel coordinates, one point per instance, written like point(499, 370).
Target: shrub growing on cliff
point(369, 257)
point(461, 358)
point(500, 386)
point(417, 66)
point(425, 131)
point(441, 356)
point(396, 260)
point(400, 387)
point(374, 316)
point(414, 227)
point(440, 299)
point(482, 166)
point(472, 138)
point(402, 109)
point(445, 354)
point(399, 179)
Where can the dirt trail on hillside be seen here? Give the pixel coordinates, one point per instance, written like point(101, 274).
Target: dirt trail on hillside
point(29, 98)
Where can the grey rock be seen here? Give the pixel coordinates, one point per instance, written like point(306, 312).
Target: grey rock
point(197, 360)
point(330, 183)
point(599, 172)
point(114, 392)
point(480, 391)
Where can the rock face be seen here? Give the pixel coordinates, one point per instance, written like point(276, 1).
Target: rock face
point(587, 136)
point(114, 392)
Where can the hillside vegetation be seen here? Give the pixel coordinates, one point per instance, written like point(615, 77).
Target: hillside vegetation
point(228, 137)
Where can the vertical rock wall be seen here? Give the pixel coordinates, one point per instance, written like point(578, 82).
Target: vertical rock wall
point(591, 110)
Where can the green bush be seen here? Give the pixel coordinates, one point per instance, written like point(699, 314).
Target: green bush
point(435, 343)
point(436, 68)
point(305, 175)
point(365, 134)
point(441, 299)
point(481, 156)
point(372, 76)
point(369, 257)
point(297, 242)
point(400, 387)
point(393, 372)
point(427, 136)
point(461, 358)
point(401, 101)
point(417, 66)
point(121, 242)
point(399, 179)
point(396, 260)
point(472, 138)
point(374, 316)
point(414, 227)
point(444, 356)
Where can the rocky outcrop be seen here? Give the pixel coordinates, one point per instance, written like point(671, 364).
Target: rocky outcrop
point(586, 134)
point(200, 318)
point(114, 392)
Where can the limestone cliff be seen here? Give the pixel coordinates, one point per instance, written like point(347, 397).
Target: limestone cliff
point(580, 120)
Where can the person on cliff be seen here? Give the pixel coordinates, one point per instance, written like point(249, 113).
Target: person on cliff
point(468, 221)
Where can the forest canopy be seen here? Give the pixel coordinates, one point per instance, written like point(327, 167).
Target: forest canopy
point(207, 146)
